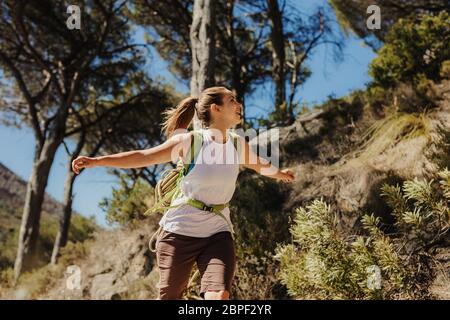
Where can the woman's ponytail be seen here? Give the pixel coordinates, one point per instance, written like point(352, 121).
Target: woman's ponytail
point(179, 117)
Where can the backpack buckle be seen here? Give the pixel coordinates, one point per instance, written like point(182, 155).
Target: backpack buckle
point(207, 208)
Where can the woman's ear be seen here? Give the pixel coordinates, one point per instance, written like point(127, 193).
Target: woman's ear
point(215, 107)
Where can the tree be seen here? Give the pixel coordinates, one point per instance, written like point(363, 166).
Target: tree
point(54, 69)
point(278, 41)
point(133, 126)
point(202, 35)
point(168, 30)
point(415, 48)
point(293, 40)
point(352, 15)
point(241, 55)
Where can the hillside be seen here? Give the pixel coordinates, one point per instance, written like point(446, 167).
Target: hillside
point(12, 195)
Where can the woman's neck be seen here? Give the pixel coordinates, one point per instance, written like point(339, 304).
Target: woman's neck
point(218, 133)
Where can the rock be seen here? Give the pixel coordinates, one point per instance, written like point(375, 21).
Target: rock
point(102, 287)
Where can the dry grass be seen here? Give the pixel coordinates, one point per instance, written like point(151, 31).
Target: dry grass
point(389, 132)
point(397, 138)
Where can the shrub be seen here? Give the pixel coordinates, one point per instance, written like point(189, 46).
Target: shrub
point(414, 57)
point(445, 69)
point(81, 229)
point(414, 47)
point(255, 278)
point(33, 284)
point(323, 263)
point(440, 151)
point(128, 202)
point(73, 252)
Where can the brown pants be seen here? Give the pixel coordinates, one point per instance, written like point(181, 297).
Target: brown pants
point(176, 255)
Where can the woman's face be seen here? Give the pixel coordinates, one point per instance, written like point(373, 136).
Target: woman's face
point(230, 110)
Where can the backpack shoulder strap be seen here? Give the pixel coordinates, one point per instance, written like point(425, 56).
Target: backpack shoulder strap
point(194, 149)
point(237, 143)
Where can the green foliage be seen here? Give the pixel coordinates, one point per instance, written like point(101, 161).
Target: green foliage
point(414, 57)
point(415, 48)
point(445, 183)
point(259, 223)
point(343, 111)
point(378, 99)
point(255, 278)
point(38, 281)
point(128, 202)
point(445, 69)
point(324, 263)
point(35, 283)
point(73, 252)
point(81, 229)
point(352, 15)
point(440, 153)
point(8, 248)
point(421, 209)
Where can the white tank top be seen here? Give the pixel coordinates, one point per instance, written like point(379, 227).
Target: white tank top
point(212, 181)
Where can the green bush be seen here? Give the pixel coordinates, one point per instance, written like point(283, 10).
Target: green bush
point(81, 229)
point(415, 47)
point(128, 202)
point(37, 282)
point(440, 151)
point(73, 252)
point(324, 263)
point(445, 69)
point(6, 279)
point(255, 278)
point(257, 214)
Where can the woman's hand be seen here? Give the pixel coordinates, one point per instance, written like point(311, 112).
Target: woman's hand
point(83, 162)
point(286, 175)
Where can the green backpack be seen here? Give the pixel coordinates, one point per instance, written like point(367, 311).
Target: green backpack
point(168, 187)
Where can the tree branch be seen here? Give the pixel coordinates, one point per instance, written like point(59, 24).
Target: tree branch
point(26, 93)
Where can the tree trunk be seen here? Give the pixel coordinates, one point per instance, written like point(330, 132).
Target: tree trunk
point(202, 35)
point(239, 90)
point(278, 53)
point(64, 222)
point(29, 229)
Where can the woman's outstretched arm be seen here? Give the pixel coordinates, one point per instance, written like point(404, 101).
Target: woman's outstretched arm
point(170, 150)
point(252, 161)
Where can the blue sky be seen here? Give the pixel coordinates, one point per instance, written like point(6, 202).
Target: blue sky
point(328, 78)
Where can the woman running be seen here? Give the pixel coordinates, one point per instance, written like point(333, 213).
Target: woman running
point(189, 234)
